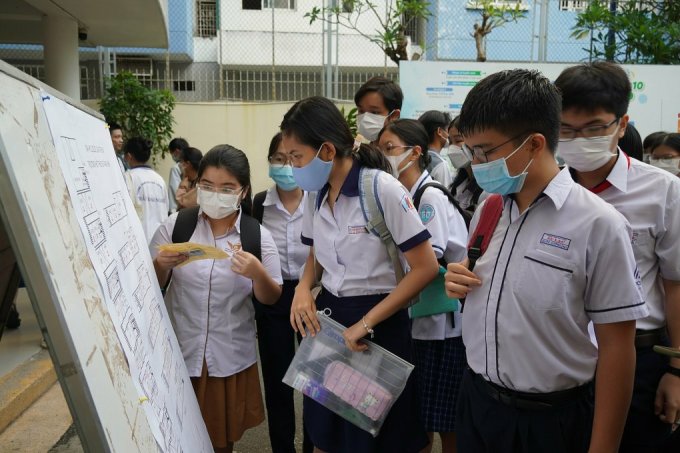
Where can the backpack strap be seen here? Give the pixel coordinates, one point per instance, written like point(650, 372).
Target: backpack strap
point(488, 221)
point(421, 190)
point(375, 217)
point(251, 236)
point(185, 224)
point(258, 205)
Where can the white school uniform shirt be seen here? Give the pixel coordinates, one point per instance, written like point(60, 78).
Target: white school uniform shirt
point(152, 196)
point(440, 171)
point(210, 306)
point(464, 196)
point(546, 274)
point(286, 229)
point(449, 240)
point(356, 262)
point(649, 198)
point(173, 184)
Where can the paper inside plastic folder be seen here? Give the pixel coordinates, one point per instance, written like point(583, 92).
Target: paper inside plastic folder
point(361, 387)
point(194, 251)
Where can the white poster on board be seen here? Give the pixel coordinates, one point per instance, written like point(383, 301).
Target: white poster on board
point(117, 248)
point(443, 85)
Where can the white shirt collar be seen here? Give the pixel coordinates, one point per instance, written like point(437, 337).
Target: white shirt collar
point(618, 176)
point(424, 176)
point(202, 217)
point(559, 188)
point(272, 197)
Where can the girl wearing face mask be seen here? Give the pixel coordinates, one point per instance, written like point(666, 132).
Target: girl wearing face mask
point(436, 124)
point(464, 188)
point(357, 276)
point(438, 347)
point(280, 208)
point(186, 192)
point(209, 300)
point(666, 154)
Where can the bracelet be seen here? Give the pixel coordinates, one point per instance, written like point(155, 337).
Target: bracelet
point(672, 370)
point(372, 332)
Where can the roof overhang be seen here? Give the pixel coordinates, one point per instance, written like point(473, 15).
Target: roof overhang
point(123, 23)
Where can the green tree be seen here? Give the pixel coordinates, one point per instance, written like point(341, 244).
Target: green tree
point(493, 15)
point(394, 18)
point(643, 31)
point(141, 111)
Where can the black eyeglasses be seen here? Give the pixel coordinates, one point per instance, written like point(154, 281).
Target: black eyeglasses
point(478, 152)
point(568, 134)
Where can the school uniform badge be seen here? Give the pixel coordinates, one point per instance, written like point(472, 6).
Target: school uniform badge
point(406, 203)
point(426, 213)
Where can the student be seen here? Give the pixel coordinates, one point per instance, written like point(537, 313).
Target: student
point(436, 124)
point(117, 141)
point(665, 154)
point(595, 100)
point(650, 142)
point(209, 300)
point(147, 186)
point(378, 102)
point(559, 258)
point(357, 275)
point(175, 147)
point(631, 143)
point(438, 347)
point(186, 191)
point(281, 209)
point(464, 188)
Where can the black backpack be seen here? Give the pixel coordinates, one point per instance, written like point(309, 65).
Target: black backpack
point(467, 215)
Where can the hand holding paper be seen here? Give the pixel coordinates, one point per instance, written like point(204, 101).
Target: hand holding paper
point(194, 251)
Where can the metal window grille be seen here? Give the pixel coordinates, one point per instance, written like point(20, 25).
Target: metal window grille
point(206, 18)
point(281, 4)
point(573, 5)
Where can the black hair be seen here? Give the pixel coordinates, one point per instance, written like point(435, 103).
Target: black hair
point(671, 140)
point(274, 144)
point(473, 187)
point(235, 162)
point(597, 85)
point(139, 148)
point(631, 143)
point(178, 143)
point(315, 120)
point(389, 90)
point(433, 120)
point(455, 122)
point(513, 102)
point(412, 133)
point(193, 156)
point(114, 126)
point(653, 139)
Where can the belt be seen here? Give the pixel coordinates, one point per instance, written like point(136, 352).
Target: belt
point(532, 401)
point(649, 338)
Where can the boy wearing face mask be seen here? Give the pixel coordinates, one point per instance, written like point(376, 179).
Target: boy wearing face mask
point(595, 100)
point(547, 272)
point(378, 102)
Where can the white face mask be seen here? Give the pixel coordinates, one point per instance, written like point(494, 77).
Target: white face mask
point(588, 154)
point(370, 124)
point(457, 156)
point(671, 165)
point(395, 161)
point(218, 205)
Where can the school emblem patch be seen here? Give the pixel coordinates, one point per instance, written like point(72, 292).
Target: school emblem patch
point(406, 203)
point(426, 213)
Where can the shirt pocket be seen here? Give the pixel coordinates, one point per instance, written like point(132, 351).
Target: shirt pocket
point(643, 245)
point(543, 281)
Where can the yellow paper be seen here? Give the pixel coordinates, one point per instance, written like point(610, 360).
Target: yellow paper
point(194, 251)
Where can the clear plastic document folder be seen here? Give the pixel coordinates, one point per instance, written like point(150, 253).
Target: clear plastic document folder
point(361, 387)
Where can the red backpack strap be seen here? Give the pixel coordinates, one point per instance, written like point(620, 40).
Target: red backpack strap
point(488, 220)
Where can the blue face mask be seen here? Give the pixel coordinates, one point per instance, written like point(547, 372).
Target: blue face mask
point(283, 177)
point(494, 177)
point(313, 176)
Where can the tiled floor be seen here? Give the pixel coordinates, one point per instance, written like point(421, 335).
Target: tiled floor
point(20, 344)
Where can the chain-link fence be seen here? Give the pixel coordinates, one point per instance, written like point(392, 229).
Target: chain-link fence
point(267, 50)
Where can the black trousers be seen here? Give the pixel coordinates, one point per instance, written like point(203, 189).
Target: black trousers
point(486, 425)
point(276, 342)
point(644, 431)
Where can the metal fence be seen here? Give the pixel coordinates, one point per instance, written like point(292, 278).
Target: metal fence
point(266, 50)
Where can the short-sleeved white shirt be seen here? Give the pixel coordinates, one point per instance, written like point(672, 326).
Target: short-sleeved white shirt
point(449, 237)
point(356, 262)
point(546, 274)
point(440, 171)
point(210, 306)
point(152, 195)
point(649, 198)
point(286, 229)
point(173, 183)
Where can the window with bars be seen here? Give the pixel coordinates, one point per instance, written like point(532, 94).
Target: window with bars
point(573, 5)
point(279, 4)
point(206, 18)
